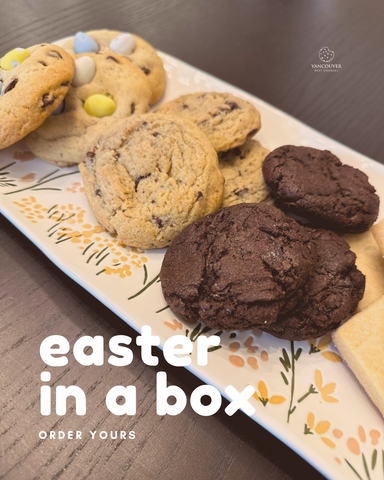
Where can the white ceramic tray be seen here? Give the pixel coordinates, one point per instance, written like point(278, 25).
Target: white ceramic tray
point(310, 399)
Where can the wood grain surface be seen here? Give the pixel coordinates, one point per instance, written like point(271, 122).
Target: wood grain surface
point(265, 47)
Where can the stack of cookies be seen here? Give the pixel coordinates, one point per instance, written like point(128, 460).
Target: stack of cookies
point(229, 123)
point(117, 75)
point(150, 176)
point(78, 91)
point(252, 266)
point(158, 179)
point(146, 176)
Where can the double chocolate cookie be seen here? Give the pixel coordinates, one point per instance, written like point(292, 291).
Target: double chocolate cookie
point(332, 291)
point(245, 266)
point(316, 185)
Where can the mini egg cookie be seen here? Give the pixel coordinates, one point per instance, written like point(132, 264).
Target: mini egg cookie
point(151, 176)
point(105, 88)
point(226, 120)
point(33, 82)
point(241, 169)
point(137, 50)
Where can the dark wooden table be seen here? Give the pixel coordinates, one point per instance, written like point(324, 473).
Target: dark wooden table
point(265, 47)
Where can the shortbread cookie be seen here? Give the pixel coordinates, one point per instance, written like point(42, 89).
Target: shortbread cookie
point(332, 292)
point(314, 184)
point(33, 82)
point(238, 268)
point(137, 50)
point(378, 235)
point(150, 177)
point(112, 82)
point(371, 263)
point(241, 169)
point(226, 120)
point(360, 341)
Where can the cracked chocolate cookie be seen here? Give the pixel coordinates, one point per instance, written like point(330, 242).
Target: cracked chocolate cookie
point(332, 291)
point(238, 268)
point(316, 185)
point(241, 169)
point(151, 176)
point(226, 120)
point(33, 82)
point(106, 88)
point(134, 48)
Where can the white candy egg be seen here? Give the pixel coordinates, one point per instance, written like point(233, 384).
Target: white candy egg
point(60, 109)
point(85, 70)
point(123, 44)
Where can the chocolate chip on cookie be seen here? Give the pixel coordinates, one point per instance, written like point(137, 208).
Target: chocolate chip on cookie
point(316, 185)
point(33, 83)
point(244, 266)
point(150, 177)
point(332, 292)
point(226, 120)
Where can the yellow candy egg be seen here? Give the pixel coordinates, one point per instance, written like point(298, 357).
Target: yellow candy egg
point(13, 58)
point(99, 106)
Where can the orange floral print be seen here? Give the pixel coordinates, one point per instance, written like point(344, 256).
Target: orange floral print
point(375, 435)
point(323, 343)
point(262, 396)
point(320, 428)
point(176, 325)
point(325, 390)
point(97, 245)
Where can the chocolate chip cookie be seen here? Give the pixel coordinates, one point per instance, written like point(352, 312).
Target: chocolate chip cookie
point(316, 185)
point(135, 49)
point(226, 120)
point(241, 169)
point(238, 268)
point(64, 139)
point(33, 82)
point(332, 292)
point(151, 176)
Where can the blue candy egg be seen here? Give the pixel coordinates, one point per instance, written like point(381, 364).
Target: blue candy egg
point(83, 43)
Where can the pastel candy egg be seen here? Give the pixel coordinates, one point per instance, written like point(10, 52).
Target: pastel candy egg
point(123, 44)
point(99, 106)
point(83, 43)
point(60, 109)
point(13, 58)
point(85, 70)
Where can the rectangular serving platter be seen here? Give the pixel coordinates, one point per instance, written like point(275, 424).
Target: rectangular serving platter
point(310, 399)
